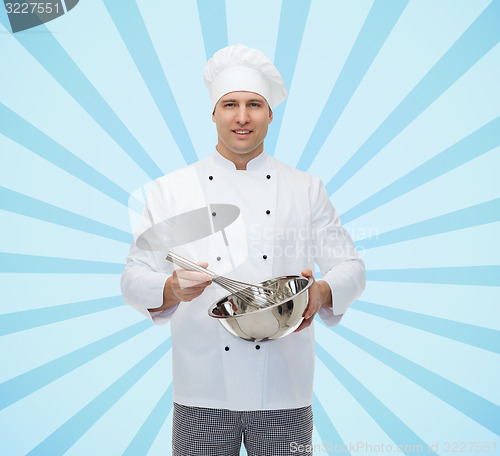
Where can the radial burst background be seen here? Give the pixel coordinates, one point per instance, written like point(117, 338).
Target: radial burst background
point(395, 104)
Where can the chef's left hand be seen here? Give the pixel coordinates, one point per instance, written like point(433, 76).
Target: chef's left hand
point(319, 295)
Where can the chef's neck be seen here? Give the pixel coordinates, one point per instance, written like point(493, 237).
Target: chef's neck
point(239, 160)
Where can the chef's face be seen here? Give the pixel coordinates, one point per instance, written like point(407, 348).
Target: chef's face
point(242, 119)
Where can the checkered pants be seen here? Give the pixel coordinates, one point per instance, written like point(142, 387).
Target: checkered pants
point(216, 432)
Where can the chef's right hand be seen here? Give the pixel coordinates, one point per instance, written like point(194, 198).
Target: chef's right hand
point(187, 285)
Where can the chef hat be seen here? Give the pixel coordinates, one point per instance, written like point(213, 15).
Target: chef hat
point(239, 68)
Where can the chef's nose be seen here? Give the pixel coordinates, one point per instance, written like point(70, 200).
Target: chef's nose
point(242, 115)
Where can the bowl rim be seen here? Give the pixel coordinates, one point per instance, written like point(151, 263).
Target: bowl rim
point(310, 281)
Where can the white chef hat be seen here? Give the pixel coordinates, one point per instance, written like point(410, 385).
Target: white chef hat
point(239, 68)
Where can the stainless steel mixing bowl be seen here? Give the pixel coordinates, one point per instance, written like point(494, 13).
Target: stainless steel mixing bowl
point(270, 322)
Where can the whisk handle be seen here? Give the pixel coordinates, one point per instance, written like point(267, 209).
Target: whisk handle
point(189, 265)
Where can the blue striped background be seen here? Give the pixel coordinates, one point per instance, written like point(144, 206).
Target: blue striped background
point(394, 104)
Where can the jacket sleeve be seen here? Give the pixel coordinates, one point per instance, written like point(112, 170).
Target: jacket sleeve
point(340, 264)
point(147, 270)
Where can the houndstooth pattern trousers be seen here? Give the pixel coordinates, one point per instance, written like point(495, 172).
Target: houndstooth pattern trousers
point(201, 431)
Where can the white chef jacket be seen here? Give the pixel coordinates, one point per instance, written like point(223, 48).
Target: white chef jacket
point(287, 223)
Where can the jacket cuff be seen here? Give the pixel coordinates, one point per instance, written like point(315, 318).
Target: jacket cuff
point(162, 317)
point(134, 295)
point(329, 319)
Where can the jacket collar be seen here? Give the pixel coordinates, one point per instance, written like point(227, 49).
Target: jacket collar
point(259, 162)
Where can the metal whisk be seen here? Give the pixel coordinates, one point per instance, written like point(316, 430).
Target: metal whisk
point(255, 296)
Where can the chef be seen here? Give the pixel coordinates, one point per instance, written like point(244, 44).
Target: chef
point(281, 223)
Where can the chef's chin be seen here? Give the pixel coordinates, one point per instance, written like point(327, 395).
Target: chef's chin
point(245, 148)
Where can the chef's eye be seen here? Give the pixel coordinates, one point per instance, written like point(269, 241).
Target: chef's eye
point(254, 105)
point(228, 105)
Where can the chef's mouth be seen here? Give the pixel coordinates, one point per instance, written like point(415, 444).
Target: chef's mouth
point(242, 132)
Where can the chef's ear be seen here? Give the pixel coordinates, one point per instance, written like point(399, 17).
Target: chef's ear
point(213, 112)
point(270, 115)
